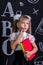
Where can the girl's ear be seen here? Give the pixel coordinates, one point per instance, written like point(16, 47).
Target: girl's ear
point(18, 25)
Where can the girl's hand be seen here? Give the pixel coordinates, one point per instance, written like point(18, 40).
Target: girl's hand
point(20, 34)
point(27, 54)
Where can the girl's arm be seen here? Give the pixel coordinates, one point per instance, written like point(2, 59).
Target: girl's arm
point(14, 43)
point(35, 49)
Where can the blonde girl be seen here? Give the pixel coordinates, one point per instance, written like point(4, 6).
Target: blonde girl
point(22, 30)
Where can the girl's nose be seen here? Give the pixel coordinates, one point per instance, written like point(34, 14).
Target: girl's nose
point(24, 24)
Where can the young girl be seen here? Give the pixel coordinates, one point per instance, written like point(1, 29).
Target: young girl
point(22, 30)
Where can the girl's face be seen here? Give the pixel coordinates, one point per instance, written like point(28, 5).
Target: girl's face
point(23, 25)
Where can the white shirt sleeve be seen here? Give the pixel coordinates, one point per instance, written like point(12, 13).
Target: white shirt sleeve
point(12, 36)
point(32, 38)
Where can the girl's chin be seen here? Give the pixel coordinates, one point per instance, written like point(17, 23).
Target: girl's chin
point(25, 30)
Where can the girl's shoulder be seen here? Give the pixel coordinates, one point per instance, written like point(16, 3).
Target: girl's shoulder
point(31, 37)
point(13, 36)
point(13, 33)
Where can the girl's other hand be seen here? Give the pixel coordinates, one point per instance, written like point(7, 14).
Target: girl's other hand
point(27, 54)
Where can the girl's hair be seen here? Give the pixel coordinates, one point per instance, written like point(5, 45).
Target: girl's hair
point(15, 29)
point(14, 26)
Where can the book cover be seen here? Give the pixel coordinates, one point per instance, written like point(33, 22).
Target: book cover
point(27, 46)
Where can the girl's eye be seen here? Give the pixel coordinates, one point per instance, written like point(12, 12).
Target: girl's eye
point(24, 23)
point(27, 23)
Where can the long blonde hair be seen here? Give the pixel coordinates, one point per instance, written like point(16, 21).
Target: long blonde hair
point(15, 29)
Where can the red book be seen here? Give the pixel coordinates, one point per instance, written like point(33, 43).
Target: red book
point(26, 45)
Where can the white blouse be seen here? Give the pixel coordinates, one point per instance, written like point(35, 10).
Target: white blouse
point(13, 36)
